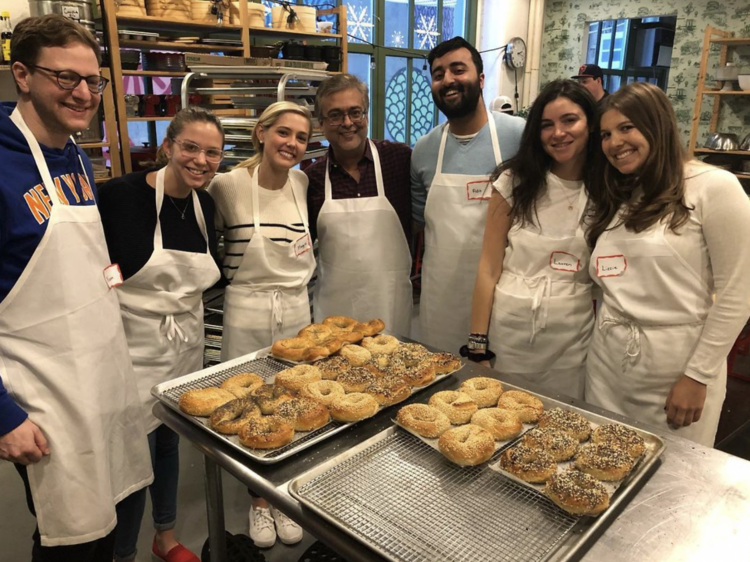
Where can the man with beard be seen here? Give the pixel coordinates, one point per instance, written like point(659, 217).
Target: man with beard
point(70, 416)
point(359, 206)
point(450, 171)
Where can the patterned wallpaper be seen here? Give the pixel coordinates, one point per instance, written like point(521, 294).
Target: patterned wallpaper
point(563, 49)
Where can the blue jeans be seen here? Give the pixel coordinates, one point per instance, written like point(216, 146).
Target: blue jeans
point(165, 460)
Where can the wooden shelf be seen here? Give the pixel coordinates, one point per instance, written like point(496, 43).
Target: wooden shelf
point(151, 21)
point(745, 153)
point(291, 32)
point(733, 41)
point(187, 47)
point(101, 179)
point(173, 73)
point(726, 93)
point(93, 145)
point(158, 118)
point(742, 175)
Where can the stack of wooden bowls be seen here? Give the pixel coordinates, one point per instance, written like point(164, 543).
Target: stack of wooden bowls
point(131, 8)
point(200, 11)
point(171, 9)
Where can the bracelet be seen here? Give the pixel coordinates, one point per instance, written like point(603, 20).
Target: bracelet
point(486, 355)
point(478, 342)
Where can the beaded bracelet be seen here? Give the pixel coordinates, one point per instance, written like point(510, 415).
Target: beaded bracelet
point(485, 355)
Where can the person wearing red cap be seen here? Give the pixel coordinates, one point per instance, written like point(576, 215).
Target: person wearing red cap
point(591, 77)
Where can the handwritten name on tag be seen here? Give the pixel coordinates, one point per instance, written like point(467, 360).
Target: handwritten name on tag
point(478, 191)
point(563, 261)
point(113, 275)
point(611, 266)
point(302, 245)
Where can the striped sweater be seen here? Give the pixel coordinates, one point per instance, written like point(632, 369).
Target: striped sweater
point(279, 219)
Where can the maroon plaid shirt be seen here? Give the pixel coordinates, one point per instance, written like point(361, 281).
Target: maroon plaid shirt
point(395, 161)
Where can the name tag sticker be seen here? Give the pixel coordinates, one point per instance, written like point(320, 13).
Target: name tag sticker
point(478, 191)
point(611, 266)
point(113, 275)
point(302, 245)
point(563, 261)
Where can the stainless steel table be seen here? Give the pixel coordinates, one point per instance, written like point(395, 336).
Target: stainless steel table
point(694, 506)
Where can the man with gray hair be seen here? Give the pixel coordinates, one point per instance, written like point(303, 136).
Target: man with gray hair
point(359, 204)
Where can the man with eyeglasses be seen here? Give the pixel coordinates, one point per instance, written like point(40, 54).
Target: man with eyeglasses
point(450, 171)
point(359, 206)
point(70, 417)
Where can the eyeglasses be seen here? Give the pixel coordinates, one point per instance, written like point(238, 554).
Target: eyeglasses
point(336, 118)
point(69, 80)
point(192, 149)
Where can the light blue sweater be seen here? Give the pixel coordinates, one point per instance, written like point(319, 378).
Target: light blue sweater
point(476, 157)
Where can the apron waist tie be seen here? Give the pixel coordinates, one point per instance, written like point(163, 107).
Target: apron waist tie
point(539, 304)
point(171, 329)
point(277, 315)
point(633, 347)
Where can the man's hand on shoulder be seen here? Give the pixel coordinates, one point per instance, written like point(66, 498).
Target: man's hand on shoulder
point(25, 444)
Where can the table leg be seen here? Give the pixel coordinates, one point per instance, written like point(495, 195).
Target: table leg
point(215, 511)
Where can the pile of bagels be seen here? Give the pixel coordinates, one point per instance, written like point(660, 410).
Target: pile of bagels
point(348, 386)
point(468, 423)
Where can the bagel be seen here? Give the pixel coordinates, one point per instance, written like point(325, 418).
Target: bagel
point(485, 391)
point(354, 407)
point(412, 353)
point(445, 363)
point(295, 378)
point(502, 424)
point(203, 401)
point(356, 379)
point(355, 354)
point(621, 436)
point(468, 445)
point(387, 392)
point(317, 333)
point(527, 407)
point(371, 327)
point(304, 414)
point(572, 422)
point(577, 493)
point(343, 328)
point(298, 349)
point(331, 367)
point(242, 385)
point(266, 432)
point(269, 396)
point(423, 420)
point(419, 375)
point(324, 391)
point(534, 466)
point(380, 344)
point(230, 417)
point(459, 407)
point(558, 443)
point(604, 461)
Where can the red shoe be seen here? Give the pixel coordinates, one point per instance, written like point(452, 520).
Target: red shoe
point(177, 554)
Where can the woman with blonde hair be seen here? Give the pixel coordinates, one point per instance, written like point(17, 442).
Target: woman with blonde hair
point(261, 210)
point(672, 259)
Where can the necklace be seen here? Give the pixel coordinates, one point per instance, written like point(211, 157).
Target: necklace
point(181, 211)
point(570, 200)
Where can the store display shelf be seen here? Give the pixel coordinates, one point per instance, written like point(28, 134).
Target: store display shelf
point(733, 41)
point(727, 93)
point(745, 153)
point(154, 22)
point(173, 45)
point(93, 145)
point(254, 31)
point(176, 74)
point(157, 118)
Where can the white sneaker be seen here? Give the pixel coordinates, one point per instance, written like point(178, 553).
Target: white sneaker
point(289, 532)
point(262, 530)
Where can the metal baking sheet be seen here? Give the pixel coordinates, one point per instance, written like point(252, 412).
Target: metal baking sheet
point(263, 364)
point(405, 500)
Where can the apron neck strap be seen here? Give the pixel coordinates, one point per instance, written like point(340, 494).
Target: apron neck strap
point(158, 239)
point(378, 173)
point(254, 193)
point(493, 137)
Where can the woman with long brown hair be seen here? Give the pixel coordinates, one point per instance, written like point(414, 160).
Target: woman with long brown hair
point(672, 258)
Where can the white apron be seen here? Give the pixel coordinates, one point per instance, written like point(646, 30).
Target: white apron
point(256, 310)
point(162, 310)
point(542, 313)
point(364, 259)
point(652, 315)
point(455, 215)
point(64, 360)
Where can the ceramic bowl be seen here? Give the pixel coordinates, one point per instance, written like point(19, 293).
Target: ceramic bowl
point(744, 80)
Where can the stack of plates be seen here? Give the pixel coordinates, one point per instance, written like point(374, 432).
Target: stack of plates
point(172, 9)
point(164, 61)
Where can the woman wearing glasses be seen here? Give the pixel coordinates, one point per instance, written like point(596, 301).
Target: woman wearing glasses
point(160, 230)
point(261, 209)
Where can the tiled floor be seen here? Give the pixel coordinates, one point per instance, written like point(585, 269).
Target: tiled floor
point(16, 525)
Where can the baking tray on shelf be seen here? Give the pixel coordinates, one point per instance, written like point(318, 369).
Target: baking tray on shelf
point(402, 498)
point(264, 364)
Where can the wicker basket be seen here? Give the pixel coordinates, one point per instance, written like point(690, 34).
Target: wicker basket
point(200, 11)
point(131, 8)
point(173, 9)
